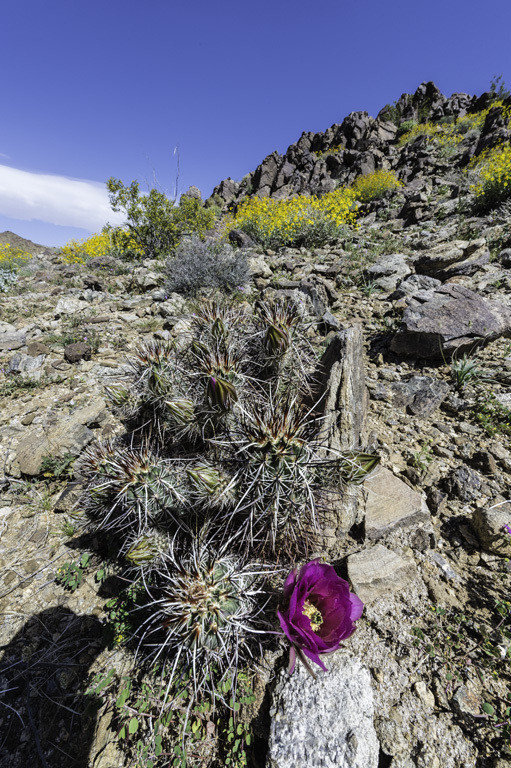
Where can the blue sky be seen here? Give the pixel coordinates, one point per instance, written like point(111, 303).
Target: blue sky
point(98, 88)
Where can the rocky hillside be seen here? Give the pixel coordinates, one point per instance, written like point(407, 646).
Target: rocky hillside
point(319, 162)
point(411, 313)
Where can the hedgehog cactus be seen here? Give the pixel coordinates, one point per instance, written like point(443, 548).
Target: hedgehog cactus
point(211, 487)
point(277, 319)
point(276, 460)
point(202, 612)
point(152, 368)
point(146, 550)
point(131, 487)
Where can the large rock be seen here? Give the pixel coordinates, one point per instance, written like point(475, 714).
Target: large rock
point(453, 320)
point(80, 350)
point(388, 271)
point(10, 337)
point(69, 436)
point(345, 401)
point(25, 364)
point(69, 305)
point(327, 722)
point(391, 504)
point(458, 257)
point(421, 394)
point(421, 287)
point(379, 571)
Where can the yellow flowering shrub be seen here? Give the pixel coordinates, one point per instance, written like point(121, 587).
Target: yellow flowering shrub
point(451, 134)
point(372, 186)
point(12, 257)
point(494, 170)
point(107, 243)
point(330, 151)
point(420, 129)
point(80, 251)
point(296, 221)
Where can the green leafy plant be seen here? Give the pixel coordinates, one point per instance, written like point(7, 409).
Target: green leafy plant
point(373, 186)
point(70, 575)
point(423, 456)
point(465, 370)
point(57, 467)
point(498, 88)
point(491, 414)
point(154, 223)
point(297, 221)
point(493, 167)
point(75, 334)
point(12, 257)
point(8, 279)
point(179, 736)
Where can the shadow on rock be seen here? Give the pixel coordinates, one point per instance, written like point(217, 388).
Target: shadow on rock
point(43, 678)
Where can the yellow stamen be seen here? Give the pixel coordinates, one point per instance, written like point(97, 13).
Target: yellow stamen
point(312, 613)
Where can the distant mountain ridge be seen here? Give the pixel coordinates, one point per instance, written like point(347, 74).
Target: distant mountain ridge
point(20, 242)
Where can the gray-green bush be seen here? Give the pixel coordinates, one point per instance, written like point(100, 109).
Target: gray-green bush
point(206, 265)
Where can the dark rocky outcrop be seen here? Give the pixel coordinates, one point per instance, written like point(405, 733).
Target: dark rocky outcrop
point(361, 144)
point(453, 320)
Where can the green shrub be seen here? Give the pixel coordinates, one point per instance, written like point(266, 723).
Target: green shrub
point(150, 218)
point(372, 186)
point(155, 224)
point(192, 217)
point(405, 127)
point(206, 264)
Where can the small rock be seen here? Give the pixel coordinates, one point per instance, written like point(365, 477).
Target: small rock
point(379, 571)
point(464, 483)
point(21, 363)
point(466, 703)
point(69, 497)
point(417, 286)
point(444, 566)
point(78, 351)
point(36, 348)
point(391, 737)
point(505, 258)
point(390, 503)
point(484, 461)
point(69, 305)
point(489, 525)
point(436, 501)
point(241, 239)
point(425, 695)
point(421, 394)
point(12, 339)
point(92, 282)
point(258, 267)
point(388, 271)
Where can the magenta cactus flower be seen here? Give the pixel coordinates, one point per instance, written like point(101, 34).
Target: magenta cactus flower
point(321, 612)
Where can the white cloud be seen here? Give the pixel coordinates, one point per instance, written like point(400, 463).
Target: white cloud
point(55, 199)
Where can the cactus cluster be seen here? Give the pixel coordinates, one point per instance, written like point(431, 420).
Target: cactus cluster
point(203, 612)
point(224, 469)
